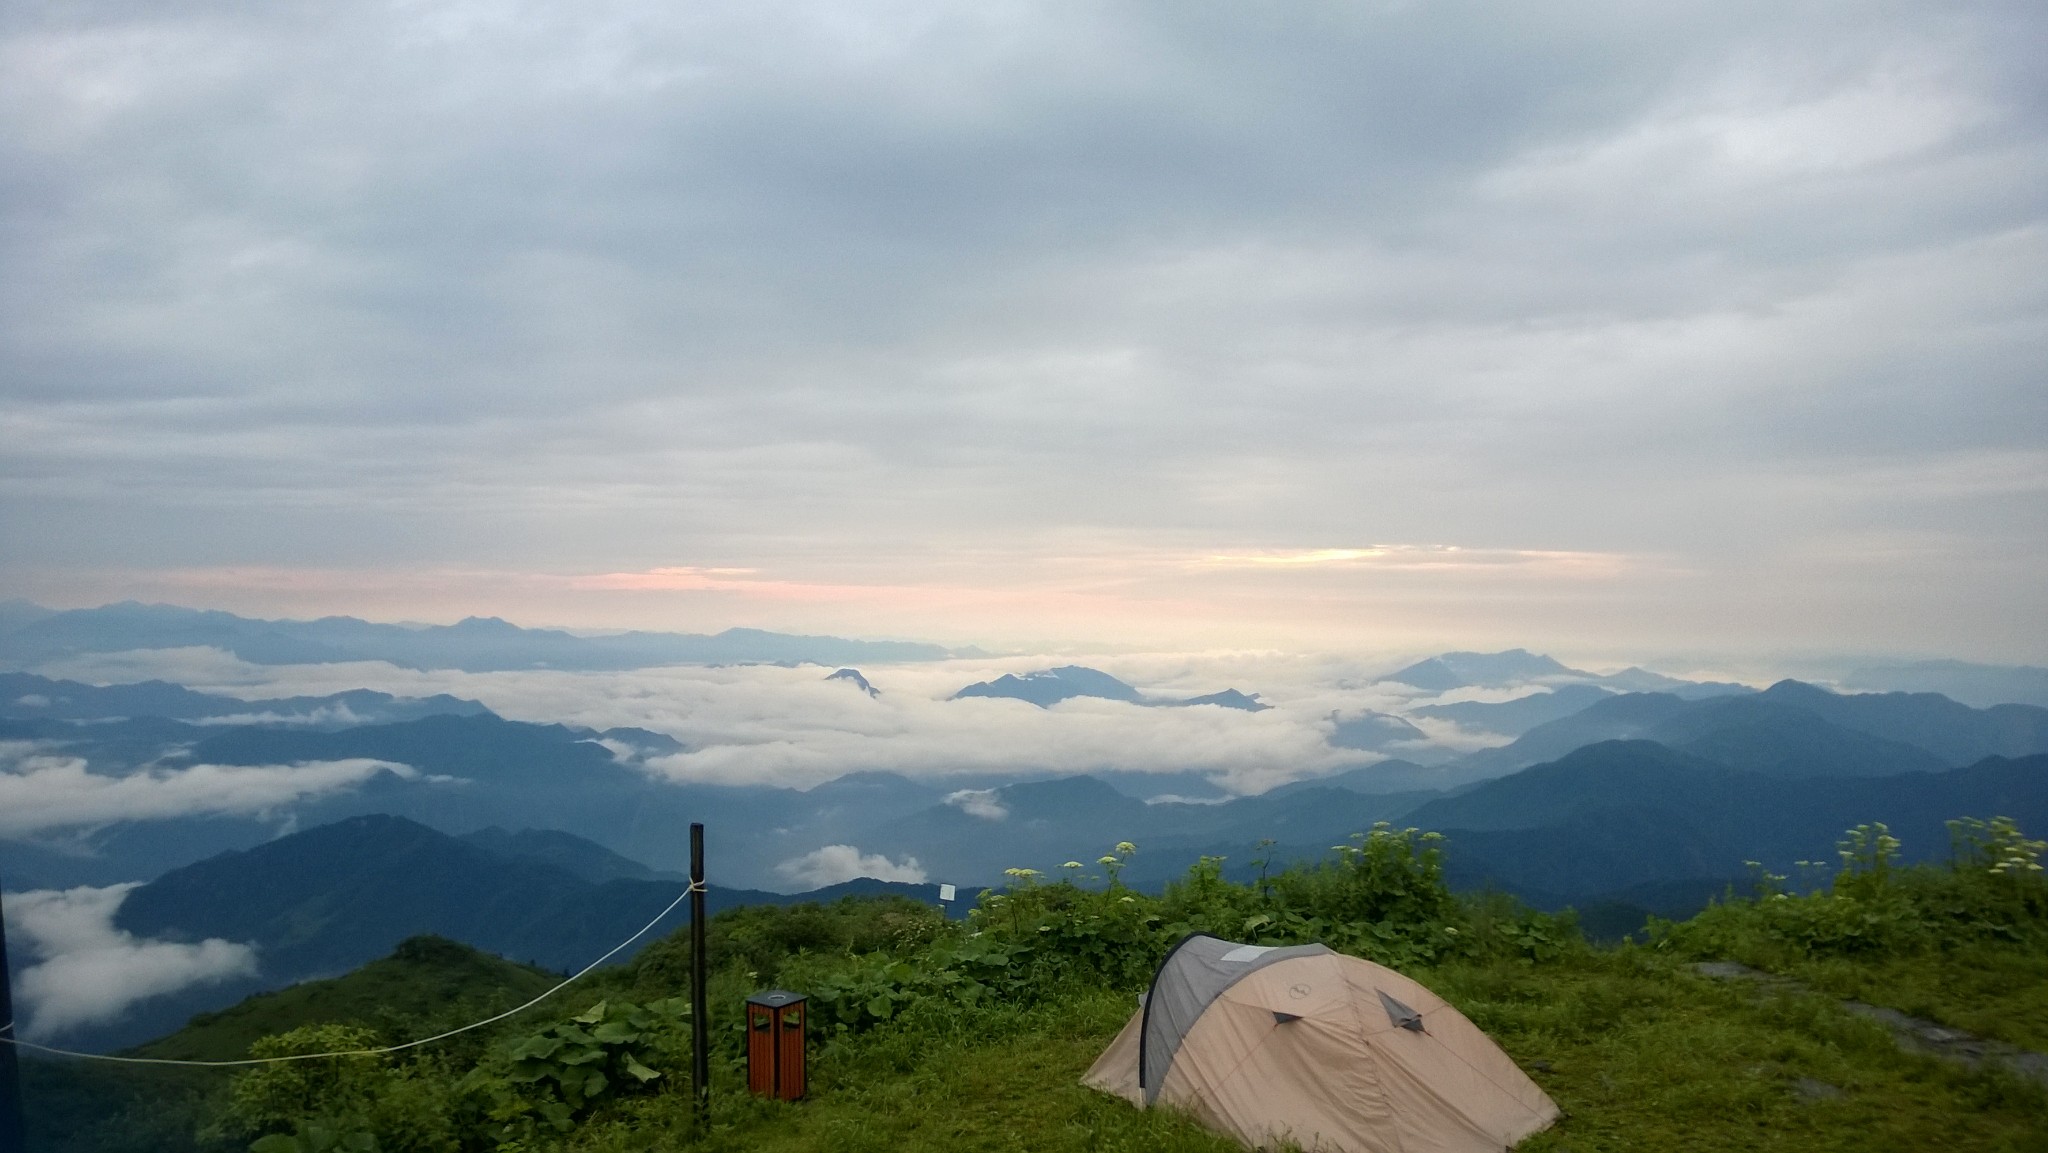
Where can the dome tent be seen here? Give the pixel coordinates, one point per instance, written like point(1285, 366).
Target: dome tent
point(1308, 1045)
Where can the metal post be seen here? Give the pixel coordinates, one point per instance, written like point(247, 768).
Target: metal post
point(13, 1131)
point(700, 1024)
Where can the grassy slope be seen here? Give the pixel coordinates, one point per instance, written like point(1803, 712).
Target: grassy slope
point(1639, 1053)
point(428, 983)
point(1642, 1055)
point(1989, 990)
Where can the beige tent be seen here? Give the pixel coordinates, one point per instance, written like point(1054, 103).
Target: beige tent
point(1330, 1052)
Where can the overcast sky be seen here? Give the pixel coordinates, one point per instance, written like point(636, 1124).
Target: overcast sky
point(1627, 327)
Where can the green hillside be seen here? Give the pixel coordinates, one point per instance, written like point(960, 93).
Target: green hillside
point(426, 984)
point(931, 1036)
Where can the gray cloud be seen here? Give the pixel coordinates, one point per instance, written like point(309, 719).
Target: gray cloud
point(853, 292)
point(88, 972)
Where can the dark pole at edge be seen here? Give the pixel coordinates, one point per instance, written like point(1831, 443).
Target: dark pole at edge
point(13, 1131)
point(700, 1024)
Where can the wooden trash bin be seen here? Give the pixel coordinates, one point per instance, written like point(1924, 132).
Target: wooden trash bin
point(775, 1045)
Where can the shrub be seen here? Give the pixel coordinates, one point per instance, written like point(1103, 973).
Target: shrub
point(560, 1074)
point(1991, 890)
point(357, 1103)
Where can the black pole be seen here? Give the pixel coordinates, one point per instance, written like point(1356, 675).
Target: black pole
point(700, 1024)
point(13, 1131)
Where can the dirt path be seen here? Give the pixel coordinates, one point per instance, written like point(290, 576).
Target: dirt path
point(1912, 1033)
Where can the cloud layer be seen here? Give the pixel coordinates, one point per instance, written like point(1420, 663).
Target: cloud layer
point(89, 972)
point(1684, 323)
point(41, 792)
point(791, 726)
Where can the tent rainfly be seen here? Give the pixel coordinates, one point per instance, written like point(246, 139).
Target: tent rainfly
point(1307, 1045)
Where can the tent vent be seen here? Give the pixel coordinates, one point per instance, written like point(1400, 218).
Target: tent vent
point(1280, 1018)
point(1400, 1014)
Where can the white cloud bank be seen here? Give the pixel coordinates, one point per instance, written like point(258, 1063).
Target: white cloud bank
point(40, 792)
point(89, 972)
point(769, 725)
point(835, 863)
point(763, 724)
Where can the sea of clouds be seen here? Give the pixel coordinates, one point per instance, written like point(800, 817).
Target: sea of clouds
point(754, 724)
point(764, 724)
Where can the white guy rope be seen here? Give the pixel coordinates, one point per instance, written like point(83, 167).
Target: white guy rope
point(7, 1030)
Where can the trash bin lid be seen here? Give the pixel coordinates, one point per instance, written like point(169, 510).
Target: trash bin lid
point(775, 998)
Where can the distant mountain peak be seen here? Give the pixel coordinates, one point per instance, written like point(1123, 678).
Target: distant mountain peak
point(853, 677)
point(1461, 669)
point(1373, 732)
point(1228, 698)
point(1047, 687)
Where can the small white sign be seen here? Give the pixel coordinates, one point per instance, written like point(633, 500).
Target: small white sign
point(946, 892)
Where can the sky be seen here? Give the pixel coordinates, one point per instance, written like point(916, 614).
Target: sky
point(1676, 328)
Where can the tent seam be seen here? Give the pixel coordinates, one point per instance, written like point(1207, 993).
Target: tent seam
point(1151, 996)
point(1371, 1051)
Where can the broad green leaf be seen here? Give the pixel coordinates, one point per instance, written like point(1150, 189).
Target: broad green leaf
point(542, 1046)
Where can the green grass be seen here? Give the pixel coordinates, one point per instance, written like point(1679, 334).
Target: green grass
point(1643, 1055)
point(994, 1080)
point(1990, 990)
point(1639, 1053)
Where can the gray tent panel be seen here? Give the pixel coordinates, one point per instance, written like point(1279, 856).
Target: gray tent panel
point(1194, 974)
point(1400, 1014)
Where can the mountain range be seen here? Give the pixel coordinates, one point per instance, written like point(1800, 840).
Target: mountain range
point(1515, 667)
point(472, 772)
point(327, 899)
point(475, 770)
point(25, 696)
point(29, 637)
point(1615, 823)
point(1791, 727)
point(1972, 684)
